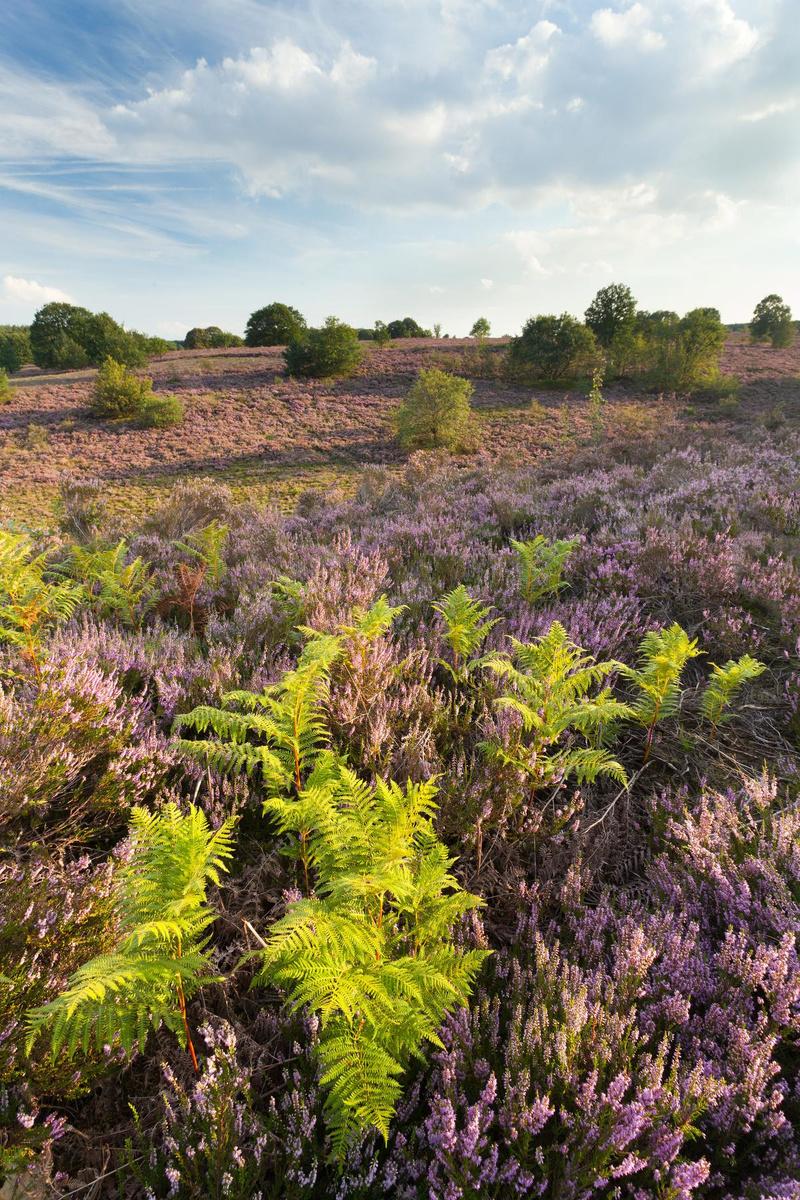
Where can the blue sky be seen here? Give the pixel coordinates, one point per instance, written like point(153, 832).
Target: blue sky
point(181, 164)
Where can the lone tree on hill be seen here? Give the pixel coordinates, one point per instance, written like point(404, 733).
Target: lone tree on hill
point(481, 329)
point(275, 325)
point(612, 310)
point(772, 321)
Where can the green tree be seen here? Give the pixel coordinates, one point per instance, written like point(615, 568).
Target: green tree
point(276, 325)
point(613, 309)
point(333, 350)
point(436, 412)
point(210, 338)
point(5, 387)
point(407, 327)
point(552, 349)
point(381, 333)
point(15, 347)
point(772, 321)
point(57, 336)
point(481, 329)
point(103, 337)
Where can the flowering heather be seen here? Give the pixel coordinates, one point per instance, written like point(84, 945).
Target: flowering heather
point(635, 1032)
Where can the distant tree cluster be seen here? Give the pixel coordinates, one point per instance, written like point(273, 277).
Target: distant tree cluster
point(65, 336)
point(407, 327)
point(211, 338)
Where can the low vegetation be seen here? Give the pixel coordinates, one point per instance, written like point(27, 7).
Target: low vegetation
point(436, 838)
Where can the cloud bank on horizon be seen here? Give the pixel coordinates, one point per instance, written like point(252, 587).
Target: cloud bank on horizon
point(444, 158)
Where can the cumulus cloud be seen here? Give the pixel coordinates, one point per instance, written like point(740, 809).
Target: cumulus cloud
point(631, 26)
point(28, 291)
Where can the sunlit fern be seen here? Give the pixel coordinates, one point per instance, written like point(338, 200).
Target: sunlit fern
point(371, 952)
point(162, 956)
point(725, 683)
point(563, 722)
point(466, 629)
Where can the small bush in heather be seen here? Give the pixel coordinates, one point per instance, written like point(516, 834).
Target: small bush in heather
point(481, 329)
point(333, 350)
point(552, 349)
point(5, 388)
point(772, 321)
point(159, 412)
point(436, 413)
point(118, 392)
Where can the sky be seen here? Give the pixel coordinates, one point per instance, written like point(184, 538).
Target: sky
point(181, 164)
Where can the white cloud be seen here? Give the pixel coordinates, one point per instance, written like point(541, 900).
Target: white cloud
point(723, 37)
point(28, 291)
point(777, 109)
point(629, 27)
point(487, 284)
point(526, 57)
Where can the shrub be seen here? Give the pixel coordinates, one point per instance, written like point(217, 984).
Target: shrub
point(120, 393)
point(275, 325)
point(407, 327)
point(160, 411)
point(211, 338)
point(612, 310)
point(436, 412)
point(552, 349)
point(684, 353)
point(5, 388)
point(772, 320)
point(15, 347)
point(331, 351)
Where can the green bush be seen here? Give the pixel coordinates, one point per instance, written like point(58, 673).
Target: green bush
point(5, 387)
point(160, 411)
point(772, 321)
point(275, 325)
point(552, 349)
point(332, 350)
point(120, 393)
point(407, 327)
point(481, 329)
point(15, 347)
point(612, 310)
point(381, 334)
point(684, 353)
point(436, 412)
point(211, 338)
point(104, 338)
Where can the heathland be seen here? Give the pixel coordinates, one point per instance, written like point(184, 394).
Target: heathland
point(382, 821)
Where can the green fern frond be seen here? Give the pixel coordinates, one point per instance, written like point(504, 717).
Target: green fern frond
point(466, 627)
point(725, 683)
point(371, 951)
point(541, 565)
point(162, 955)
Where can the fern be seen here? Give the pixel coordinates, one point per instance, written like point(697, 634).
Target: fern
point(725, 683)
point(29, 601)
point(162, 956)
point(206, 545)
point(663, 654)
point(371, 951)
point(281, 731)
point(541, 566)
point(115, 588)
point(550, 684)
point(466, 629)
